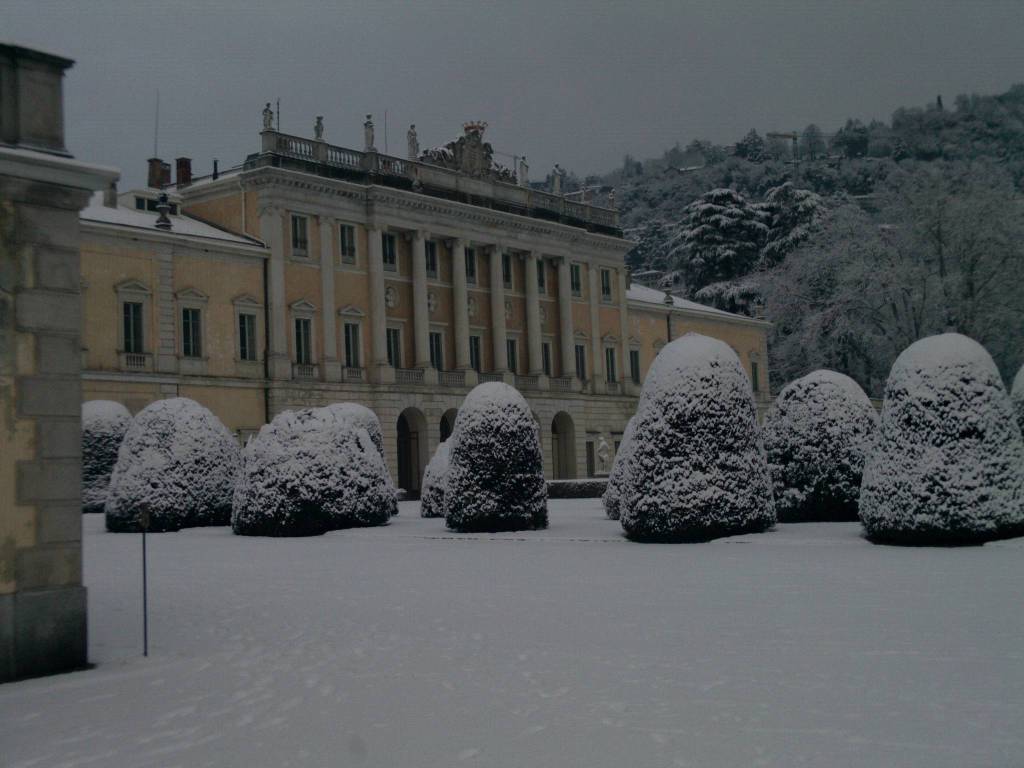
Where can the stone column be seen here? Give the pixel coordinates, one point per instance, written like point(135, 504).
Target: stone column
point(272, 233)
point(420, 311)
point(380, 371)
point(533, 331)
point(565, 329)
point(332, 366)
point(596, 347)
point(460, 308)
point(628, 387)
point(498, 335)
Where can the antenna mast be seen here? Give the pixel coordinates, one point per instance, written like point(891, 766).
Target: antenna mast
point(156, 124)
point(385, 131)
point(278, 114)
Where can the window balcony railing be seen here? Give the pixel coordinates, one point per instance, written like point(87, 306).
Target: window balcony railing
point(304, 371)
point(451, 378)
point(136, 361)
point(353, 374)
point(408, 375)
point(485, 377)
point(527, 382)
point(562, 384)
point(613, 388)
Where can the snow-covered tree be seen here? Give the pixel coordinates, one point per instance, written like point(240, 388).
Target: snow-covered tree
point(812, 142)
point(617, 477)
point(751, 147)
point(362, 417)
point(435, 477)
point(496, 473)
point(949, 468)
point(817, 436)
point(794, 214)
point(697, 469)
point(177, 462)
point(720, 238)
point(104, 423)
point(1018, 396)
point(308, 472)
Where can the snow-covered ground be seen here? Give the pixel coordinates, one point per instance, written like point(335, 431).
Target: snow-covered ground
point(411, 646)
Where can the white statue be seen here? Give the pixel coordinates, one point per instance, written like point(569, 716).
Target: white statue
point(318, 129)
point(524, 172)
point(603, 454)
point(556, 181)
point(368, 134)
point(414, 142)
point(268, 118)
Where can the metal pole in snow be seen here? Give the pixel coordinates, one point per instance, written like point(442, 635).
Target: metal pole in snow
point(144, 522)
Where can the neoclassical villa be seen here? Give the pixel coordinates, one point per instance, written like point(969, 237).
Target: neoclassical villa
point(314, 273)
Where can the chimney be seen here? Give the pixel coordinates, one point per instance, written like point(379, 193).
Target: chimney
point(184, 171)
point(153, 179)
point(162, 207)
point(110, 195)
point(165, 174)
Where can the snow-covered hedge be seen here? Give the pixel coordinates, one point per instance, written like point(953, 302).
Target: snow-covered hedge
point(434, 479)
point(307, 472)
point(617, 477)
point(496, 474)
point(362, 417)
point(949, 468)
point(582, 488)
point(1018, 397)
point(104, 423)
point(697, 469)
point(817, 436)
point(178, 462)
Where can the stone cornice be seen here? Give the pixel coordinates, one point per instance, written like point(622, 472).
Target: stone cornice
point(120, 232)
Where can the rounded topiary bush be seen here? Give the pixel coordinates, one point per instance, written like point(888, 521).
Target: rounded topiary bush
point(434, 480)
point(817, 436)
point(495, 474)
point(308, 472)
point(104, 424)
point(697, 469)
point(1017, 396)
point(617, 477)
point(179, 463)
point(949, 468)
point(362, 417)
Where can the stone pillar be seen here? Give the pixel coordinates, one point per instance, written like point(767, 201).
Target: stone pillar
point(565, 329)
point(42, 600)
point(628, 387)
point(272, 233)
point(498, 335)
point(533, 331)
point(596, 347)
point(380, 371)
point(331, 366)
point(460, 309)
point(420, 311)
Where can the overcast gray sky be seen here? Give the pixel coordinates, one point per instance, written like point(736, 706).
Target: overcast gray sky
point(579, 83)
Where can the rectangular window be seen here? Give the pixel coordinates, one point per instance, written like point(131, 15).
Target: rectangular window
point(471, 266)
point(430, 249)
point(394, 348)
point(436, 344)
point(545, 353)
point(246, 336)
point(474, 353)
point(634, 365)
point(191, 345)
point(541, 276)
point(300, 235)
point(133, 328)
point(352, 345)
point(581, 362)
point(389, 245)
point(510, 354)
point(606, 285)
point(754, 377)
point(347, 243)
point(574, 280)
point(506, 269)
point(303, 341)
point(609, 365)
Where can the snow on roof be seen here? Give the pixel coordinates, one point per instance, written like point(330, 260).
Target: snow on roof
point(645, 295)
point(182, 224)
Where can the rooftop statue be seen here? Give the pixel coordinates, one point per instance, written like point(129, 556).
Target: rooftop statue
point(268, 118)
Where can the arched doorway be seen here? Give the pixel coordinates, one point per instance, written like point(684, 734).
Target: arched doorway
point(448, 423)
point(412, 449)
point(563, 447)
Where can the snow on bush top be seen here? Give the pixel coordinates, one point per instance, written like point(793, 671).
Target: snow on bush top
point(104, 423)
point(697, 469)
point(1018, 397)
point(817, 436)
point(363, 417)
point(310, 471)
point(950, 463)
point(178, 462)
point(613, 493)
point(434, 480)
point(496, 474)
